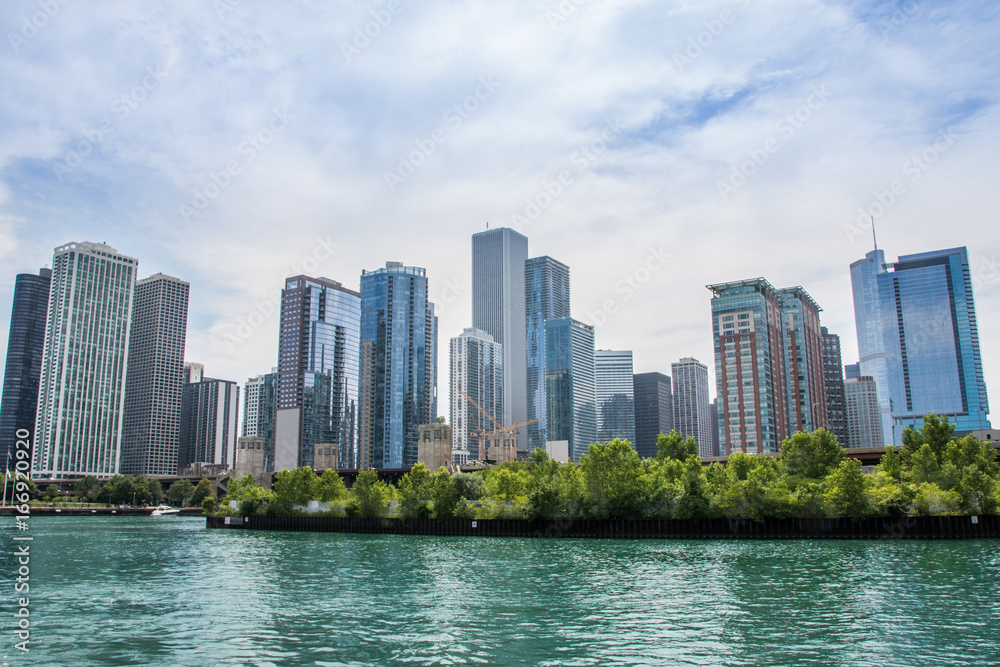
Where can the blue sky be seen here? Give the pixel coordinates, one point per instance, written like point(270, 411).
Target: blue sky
point(232, 142)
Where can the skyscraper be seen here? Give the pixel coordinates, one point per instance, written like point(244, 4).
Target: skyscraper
point(833, 378)
point(864, 419)
point(852, 371)
point(615, 395)
point(570, 385)
point(918, 338)
point(546, 284)
point(82, 386)
point(260, 409)
point(208, 423)
point(498, 307)
point(25, 345)
point(476, 363)
point(654, 410)
point(691, 416)
point(398, 361)
point(804, 380)
point(152, 425)
point(318, 375)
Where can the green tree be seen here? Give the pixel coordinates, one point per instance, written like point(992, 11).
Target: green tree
point(87, 488)
point(155, 491)
point(931, 499)
point(923, 466)
point(201, 491)
point(469, 486)
point(255, 500)
point(331, 486)
point(415, 493)
point(208, 503)
point(439, 420)
point(849, 490)
point(675, 446)
point(811, 455)
point(615, 482)
point(369, 496)
point(180, 491)
point(935, 433)
point(444, 495)
point(51, 492)
point(295, 487)
point(239, 488)
point(891, 463)
point(694, 502)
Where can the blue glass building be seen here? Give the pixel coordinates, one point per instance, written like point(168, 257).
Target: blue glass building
point(570, 384)
point(918, 337)
point(546, 291)
point(317, 371)
point(25, 345)
point(398, 376)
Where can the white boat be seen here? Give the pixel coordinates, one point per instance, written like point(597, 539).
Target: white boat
point(164, 510)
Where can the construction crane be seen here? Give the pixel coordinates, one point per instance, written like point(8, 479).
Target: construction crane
point(481, 433)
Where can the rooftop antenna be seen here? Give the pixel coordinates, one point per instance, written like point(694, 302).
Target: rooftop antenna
point(874, 240)
point(487, 224)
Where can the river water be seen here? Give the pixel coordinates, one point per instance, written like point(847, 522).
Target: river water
point(166, 591)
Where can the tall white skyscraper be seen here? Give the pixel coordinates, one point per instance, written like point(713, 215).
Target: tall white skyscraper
point(691, 409)
point(615, 395)
point(81, 394)
point(498, 308)
point(476, 364)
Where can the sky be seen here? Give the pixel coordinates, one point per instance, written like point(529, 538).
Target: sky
point(655, 147)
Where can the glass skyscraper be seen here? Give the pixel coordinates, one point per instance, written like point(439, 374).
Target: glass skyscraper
point(476, 363)
point(570, 384)
point(208, 422)
point(546, 284)
point(260, 408)
point(317, 371)
point(25, 345)
point(498, 307)
point(398, 378)
point(654, 410)
point(804, 381)
point(615, 395)
point(81, 392)
point(918, 338)
point(833, 377)
point(153, 385)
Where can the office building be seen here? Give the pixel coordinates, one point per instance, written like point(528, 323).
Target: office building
point(498, 308)
point(804, 380)
point(476, 364)
point(713, 419)
point(81, 395)
point(864, 418)
point(318, 375)
point(398, 390)
point(209, 410)
point(546, 285)
point(654, 410)
point(833, 379)
point(691, 415)
point(615, 395)
point(570, 385)
point(25, 345)
point(852, 371)
point(918, 338)
point(152, 428)
point(260, 411)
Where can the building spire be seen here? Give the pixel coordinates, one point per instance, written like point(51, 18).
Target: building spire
point(874, 240)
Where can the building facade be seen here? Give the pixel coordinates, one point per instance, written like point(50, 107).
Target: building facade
point(546, 285)
point(833, 378)
point(435, 447)
point(25, 345)
point(319, 353)
point(654, 410)
point(152, 428)
point(615, 395)
point(260, 411)
point(398, 386)
point(570, 385)
point(804, 380)
point(476, 365)
point(209, 423)
point(864, 418)
point(918, 338)
point(691, 416)
point(498, 307)
point(81, 395)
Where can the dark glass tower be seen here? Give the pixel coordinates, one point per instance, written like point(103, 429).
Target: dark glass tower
point(833, 377)
point(546, 285)
point(24, 357)
point(654, 410)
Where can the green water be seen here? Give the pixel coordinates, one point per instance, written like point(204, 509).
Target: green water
point(166, 591)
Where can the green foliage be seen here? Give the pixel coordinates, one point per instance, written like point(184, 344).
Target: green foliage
point(444, 495)
point(811, 455)
point(675, 447)
point(891, 463)
point(932, 499)
point(295, 487)
point(87, 488)
point(414, 493)
point(254, 500)
point(439, 420)
point(122, 489)
point(156, 491)
point(469, 485)
point(239, 488)
point(202, 490)
point(208, 504)
point(849, 490)
point(331, 487)
point(51, 491)
point(180, 491)
point(936, 433)
point(615, 482)
point(369, 497)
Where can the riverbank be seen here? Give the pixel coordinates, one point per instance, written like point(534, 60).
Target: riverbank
point(94, 511)
point(908, 527)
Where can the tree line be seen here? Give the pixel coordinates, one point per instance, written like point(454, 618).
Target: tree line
point(933, 473)
point(127, 490)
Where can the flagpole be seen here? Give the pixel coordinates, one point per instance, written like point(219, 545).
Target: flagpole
point(6, 474)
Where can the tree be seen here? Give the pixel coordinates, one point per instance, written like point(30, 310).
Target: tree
point(331, 486)
point(811, 455)
point(439, 420)
point(469, 486)
point(239, 488)
point(443, 494)
point(849, 490)
point(88, 488)
point(156, 491)
point(201, 491)
point(936, 433)
point(208, 502)
point(295, 487)
point(614, 480)
point(891, 463)
point(368, 496)
point(51, 492)
point(675, 446)
point(414, 493)
point(693, 503)
point(180, 491)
